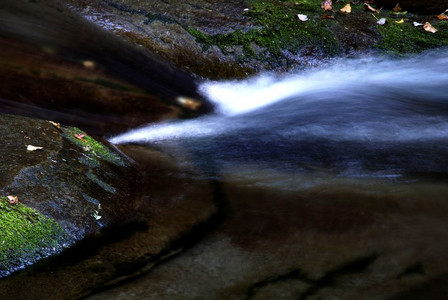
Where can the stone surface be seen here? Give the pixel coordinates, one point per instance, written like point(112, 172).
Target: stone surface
point(348, 241)
point(173, 213)
point(79, 183)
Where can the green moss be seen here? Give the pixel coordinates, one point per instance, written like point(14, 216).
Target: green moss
point(277, 29)
point(25, 236)
point(405, 38)
point(101, 183)
point(91, 147)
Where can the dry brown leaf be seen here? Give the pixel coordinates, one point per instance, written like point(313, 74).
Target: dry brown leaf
point(369, 7)
point(428, 27)
point(13, 200)
point(80, 136)
point(397, 8)
point(442, 17)
point(346, 9)
point(325, 16)
point(327, 4)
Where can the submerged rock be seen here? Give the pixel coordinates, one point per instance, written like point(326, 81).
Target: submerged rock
point(68, 186)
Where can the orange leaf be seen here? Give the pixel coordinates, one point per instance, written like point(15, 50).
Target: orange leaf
point(327, 5)
point(368, 7)
point(325, 16)
point(13, 200)
point(428, 27)
point(442, 17)
point(80, 136)
point(346, 9)
point(397, 8)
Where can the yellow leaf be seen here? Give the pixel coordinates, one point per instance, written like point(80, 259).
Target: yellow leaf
point(346, 9)
point(400, 21)
point(428, 27)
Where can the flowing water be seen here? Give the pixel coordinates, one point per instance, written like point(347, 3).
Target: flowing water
point(372, 117)
point(332, 181)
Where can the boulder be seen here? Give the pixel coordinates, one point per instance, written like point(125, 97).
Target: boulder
point(62, 184)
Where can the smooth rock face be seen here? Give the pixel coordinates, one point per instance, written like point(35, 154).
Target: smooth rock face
point(79, 183)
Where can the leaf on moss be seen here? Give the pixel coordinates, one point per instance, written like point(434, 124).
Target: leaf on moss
point(381, 21)
point(33, 148)
point(428, 27)
point(397, 8)
point(327, 4)
point(416, 24)
point(80, 136)
point(442, 17)
point(346, 9)
point(57, 125)
point(325, 16)
point(368, 7)
point(13, 200)
point(302, 17)
point(400, 21)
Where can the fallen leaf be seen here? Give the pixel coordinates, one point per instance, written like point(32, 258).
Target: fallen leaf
point(57, 125)
point(325, 16)
point(346, 9)
point(416, 24)
point(369, 7)
point(80, 136)
point(89, 64)
point(33, 148)
point(400, 21)
point(327, 4)
point(397, 8)
point(442, 17)
point(13, 200)
point(428, 27)
point(189, 103)
point(302, 18)
point(381, 21)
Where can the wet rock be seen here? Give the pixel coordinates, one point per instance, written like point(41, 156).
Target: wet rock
point(45, 61)
point(236, 39)
point(349, 241)
point(174, 213)
point(68, 186)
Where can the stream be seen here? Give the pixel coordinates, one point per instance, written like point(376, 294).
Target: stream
point(324, 183)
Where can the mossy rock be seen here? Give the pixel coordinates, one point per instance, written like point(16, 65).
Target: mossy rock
point(26, 235)
point(254, 35)
point(70, 189)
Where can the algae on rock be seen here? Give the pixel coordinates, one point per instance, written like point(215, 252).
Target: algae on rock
point(26, 236)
